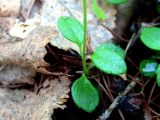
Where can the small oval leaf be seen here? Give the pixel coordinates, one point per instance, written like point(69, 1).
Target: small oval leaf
point(71, 29)
point(84, 94)
point(109, 62)
point(158, 76)
point(117, 1)
point(148, 68)
point(150, 36)
point(112, 47)
point(98, 11)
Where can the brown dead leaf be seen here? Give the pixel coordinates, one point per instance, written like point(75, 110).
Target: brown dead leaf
point(26, 105)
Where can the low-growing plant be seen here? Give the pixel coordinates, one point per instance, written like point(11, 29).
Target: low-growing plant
point(109, 58)
point(150, 36)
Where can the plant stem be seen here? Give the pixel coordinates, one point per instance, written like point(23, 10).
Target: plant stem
point(84, 37)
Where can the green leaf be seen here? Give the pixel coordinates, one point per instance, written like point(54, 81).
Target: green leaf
point(84, 94)
point(109, 61)
point(112, 47)
point(117, 1)
point(150, 36)
point(98, 11)
point(158, 76)
point(71, 29)
point(148, 68)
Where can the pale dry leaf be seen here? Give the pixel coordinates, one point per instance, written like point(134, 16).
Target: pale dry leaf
point(10, 8)
point(22, 58)
point(13, 74)
point(52, 10)
point(29, 52)
point(8, 22)
point(21, 30)
point(98, 34)
point(22, 104)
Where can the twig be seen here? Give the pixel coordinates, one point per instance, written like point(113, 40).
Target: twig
point(147, 113)
point(151, 93)
point(153, 111)
point(133, 64)
point(132, 40)
point(108, 112)
point(111, 96)
point(103, 88)
point(113, 33)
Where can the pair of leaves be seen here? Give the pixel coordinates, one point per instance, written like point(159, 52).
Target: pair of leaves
point(108, 58)
point(150, 68)
point(84, 94)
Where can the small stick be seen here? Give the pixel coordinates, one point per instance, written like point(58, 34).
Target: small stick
point(108, 112)
point(132, 40)
point(151, 93)
point(147, 113)
point(112, 98)
point(113, 33)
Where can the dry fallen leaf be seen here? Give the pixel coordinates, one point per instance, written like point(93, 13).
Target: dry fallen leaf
point(21, 30)
point(22, 104)
point(13, 74)
point(29, 52)
point(21, 58)
point(50, 11)
point(7, 22)
point(98, 34)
